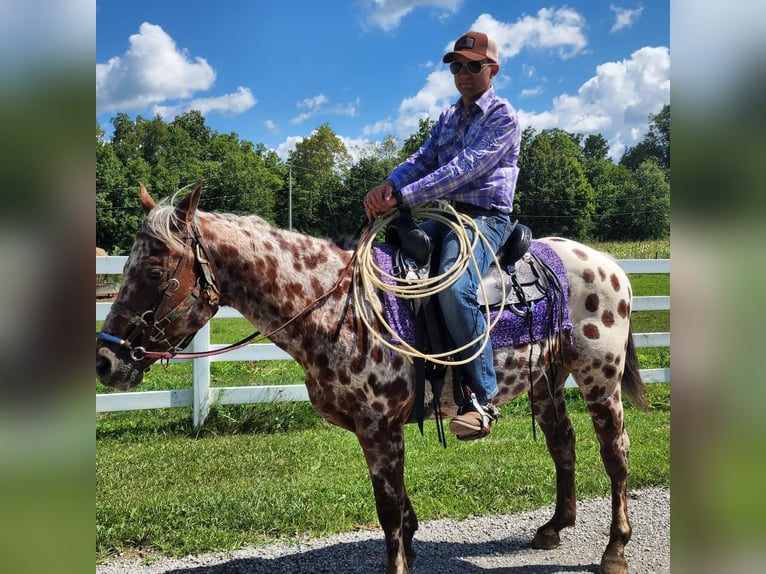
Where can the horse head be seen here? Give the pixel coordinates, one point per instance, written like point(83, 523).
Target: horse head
point(168, 293)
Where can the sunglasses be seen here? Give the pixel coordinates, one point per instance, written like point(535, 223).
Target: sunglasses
point(473, 67)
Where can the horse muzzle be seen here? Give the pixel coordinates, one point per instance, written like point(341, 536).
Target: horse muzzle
point(118, 371)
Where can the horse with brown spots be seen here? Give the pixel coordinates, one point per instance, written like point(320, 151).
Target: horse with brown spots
point(185, 263)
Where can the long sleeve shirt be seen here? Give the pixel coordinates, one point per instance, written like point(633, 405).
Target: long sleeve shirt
point(470, 156)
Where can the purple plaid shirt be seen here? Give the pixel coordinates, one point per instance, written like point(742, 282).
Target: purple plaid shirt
point(470, 156)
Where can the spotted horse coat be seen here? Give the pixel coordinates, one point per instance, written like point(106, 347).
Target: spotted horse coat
point(271, 275)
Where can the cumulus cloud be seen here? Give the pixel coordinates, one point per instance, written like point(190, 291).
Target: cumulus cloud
point(153, 70)
point(558, 29)
point(228, 104)
point(616, 102)
point(283, 150)
point(624, 17)
point(387, 14)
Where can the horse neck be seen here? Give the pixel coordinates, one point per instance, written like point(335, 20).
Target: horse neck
point(269, 274)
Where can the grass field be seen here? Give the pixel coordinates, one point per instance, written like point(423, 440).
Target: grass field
point(253, 473)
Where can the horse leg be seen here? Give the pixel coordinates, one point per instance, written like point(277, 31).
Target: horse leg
point(554, 421)
point(607, 416)
point(383, 445)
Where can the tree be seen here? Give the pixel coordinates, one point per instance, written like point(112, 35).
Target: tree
point(647, 210)
point(238, 177)
point(595, 147)
point(655, 145)
point(237, 180)
point(553, 196)
point(117, 213)
point(413, 143)
point(611, 184)
point(320, 162)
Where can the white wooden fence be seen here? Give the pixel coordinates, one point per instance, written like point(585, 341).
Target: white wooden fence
point(200, 396)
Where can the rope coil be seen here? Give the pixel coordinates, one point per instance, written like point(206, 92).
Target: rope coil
point(370, 276)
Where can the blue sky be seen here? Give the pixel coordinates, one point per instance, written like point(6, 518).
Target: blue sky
point(273, 71)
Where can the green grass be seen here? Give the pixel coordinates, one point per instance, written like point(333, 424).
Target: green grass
point(253, 473)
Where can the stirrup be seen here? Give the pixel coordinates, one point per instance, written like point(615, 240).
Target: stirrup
point(473, 420)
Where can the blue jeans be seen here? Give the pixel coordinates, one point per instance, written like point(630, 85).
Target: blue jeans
point(464, 319)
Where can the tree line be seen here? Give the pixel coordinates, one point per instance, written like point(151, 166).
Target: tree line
point(567, 184)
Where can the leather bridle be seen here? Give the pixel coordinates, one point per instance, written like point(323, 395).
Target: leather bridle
point(149, 327)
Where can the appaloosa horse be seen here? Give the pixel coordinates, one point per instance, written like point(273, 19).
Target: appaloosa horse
point(185, 263)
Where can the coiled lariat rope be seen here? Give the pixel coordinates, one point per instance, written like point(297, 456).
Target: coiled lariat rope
point(370, 276)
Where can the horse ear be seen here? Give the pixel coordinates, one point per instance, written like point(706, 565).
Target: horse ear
point(147, 203)
point(188, 207)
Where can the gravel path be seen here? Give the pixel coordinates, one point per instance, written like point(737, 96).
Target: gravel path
point(480, 545)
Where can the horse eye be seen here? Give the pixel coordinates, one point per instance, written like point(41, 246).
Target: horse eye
point(155, 273)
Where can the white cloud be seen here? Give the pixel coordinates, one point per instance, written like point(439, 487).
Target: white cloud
point(313, 103)
point(271, 126)
point(318, 105)
point(616, 102)
point(432, 98)
point(287, 146)
point(152, 71)
point(529, 92)
point(228, 104)
point(381, 127)
point(560, 29)
point(387, 14)
point(624, 17)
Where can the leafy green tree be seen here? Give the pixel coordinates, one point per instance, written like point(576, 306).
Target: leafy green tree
point(527, 137)
point(125, 141)
point(413, 143)
point(320, 163)
point(655, 145)
point(237, 180)
point(553, 195)
point(117, 213)
point(611, 184)
point(647, 211)
point(595, 147)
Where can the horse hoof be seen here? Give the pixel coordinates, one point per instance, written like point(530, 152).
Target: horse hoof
point(613, 565)
point(546, 539)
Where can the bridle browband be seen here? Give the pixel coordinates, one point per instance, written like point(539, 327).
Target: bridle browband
point(149, 326)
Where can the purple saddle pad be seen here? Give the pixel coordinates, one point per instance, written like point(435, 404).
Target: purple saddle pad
point(512, 330)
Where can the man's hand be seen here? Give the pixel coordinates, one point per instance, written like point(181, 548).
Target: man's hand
point(379, 200)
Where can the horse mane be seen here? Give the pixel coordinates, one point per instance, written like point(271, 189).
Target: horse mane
point(163, 222)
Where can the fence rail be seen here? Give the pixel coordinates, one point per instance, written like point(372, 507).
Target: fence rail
point(200, 396)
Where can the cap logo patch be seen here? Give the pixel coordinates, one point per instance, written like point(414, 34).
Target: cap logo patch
point(465, 43)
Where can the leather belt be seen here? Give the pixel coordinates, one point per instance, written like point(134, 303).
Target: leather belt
point(469, 207)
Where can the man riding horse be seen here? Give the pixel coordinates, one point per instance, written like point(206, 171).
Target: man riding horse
point(469, 158)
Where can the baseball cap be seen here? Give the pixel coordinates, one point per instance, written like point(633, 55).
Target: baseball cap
point(473, 46)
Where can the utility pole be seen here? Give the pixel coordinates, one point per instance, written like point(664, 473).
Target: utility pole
point(290, 197)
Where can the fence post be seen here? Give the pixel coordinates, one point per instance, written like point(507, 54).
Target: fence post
point(201, 377)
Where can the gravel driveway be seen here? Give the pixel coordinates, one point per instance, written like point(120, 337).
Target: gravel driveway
point(480, 545)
